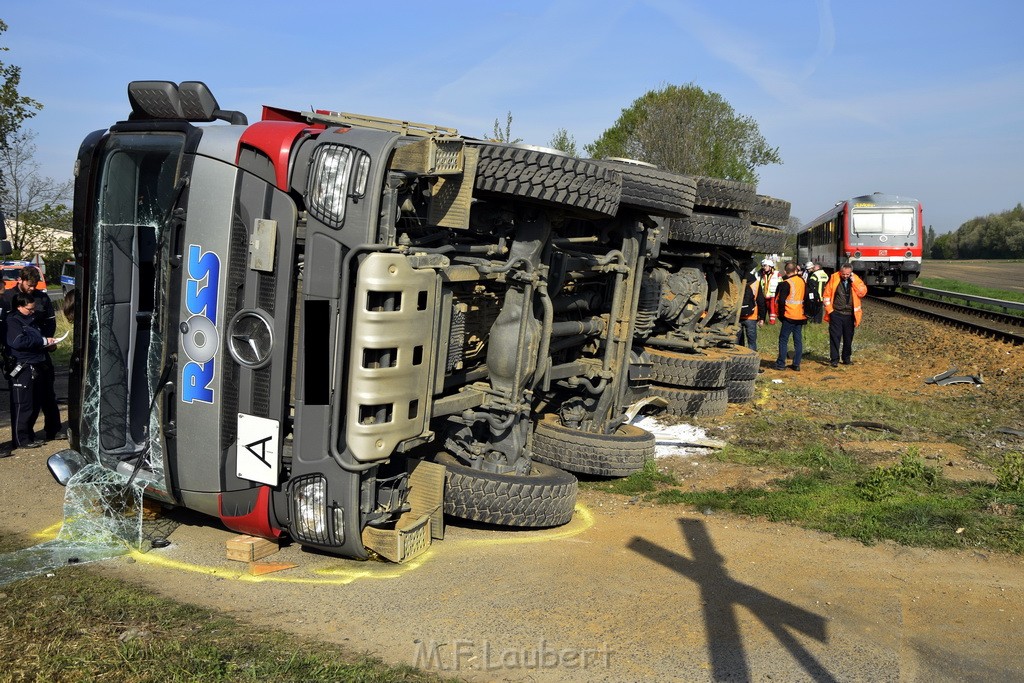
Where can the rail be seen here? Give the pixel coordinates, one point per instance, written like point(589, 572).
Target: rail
point(970, 298)
point(1001, 325)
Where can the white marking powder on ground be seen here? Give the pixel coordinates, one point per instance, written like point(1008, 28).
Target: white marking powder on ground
point(677, 439)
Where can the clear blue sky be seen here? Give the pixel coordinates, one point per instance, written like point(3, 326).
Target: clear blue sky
point(922, 98)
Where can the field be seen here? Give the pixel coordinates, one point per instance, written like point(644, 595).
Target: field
point(1007, 275)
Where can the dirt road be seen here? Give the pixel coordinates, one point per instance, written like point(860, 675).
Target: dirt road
point(625, 592)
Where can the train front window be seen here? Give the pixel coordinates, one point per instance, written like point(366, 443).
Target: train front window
point(884, 222)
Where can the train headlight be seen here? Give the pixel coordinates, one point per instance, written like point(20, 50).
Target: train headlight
point(909, 254)
point(331, 181)
point(856, 254)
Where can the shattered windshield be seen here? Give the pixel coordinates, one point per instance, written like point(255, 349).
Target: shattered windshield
point(137, 187)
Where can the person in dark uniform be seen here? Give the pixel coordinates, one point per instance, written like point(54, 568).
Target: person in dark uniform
point(28, 281)
point(32, 374)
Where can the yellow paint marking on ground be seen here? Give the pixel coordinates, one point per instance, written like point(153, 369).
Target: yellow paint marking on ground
point(582, 520)
point(353, 570)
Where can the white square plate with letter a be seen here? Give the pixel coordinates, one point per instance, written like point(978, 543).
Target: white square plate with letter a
point(256, 452)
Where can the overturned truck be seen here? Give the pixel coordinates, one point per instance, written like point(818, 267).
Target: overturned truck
point(337, 327)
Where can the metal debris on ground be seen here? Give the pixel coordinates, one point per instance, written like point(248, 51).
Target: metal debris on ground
point(948, 377)
point(102, 519)
point(875, 426)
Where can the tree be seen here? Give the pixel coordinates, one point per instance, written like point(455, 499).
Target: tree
point(929, 242)
point(14, 107)
point(35, 204)
point(505, 135)
point(562, 140)
point(687, 130)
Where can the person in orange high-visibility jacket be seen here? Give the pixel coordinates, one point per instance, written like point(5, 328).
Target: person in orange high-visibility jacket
point(841, 299)
point(790, 298)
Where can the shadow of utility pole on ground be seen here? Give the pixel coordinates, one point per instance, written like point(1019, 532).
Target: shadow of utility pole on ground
point(721, 594)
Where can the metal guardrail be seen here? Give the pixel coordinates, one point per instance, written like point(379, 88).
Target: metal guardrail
point(970, 298)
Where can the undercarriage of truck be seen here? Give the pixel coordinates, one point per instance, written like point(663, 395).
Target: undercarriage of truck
point(340, 328)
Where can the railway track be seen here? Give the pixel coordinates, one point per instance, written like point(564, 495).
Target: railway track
point(989, 323)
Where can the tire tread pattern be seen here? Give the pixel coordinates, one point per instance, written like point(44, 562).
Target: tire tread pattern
point(657, 192)
point(614, 455)
point(690, 370)
point(718, 193)
point(706, 228)
point(693, 402)
point(548, 178)
point(545, 500)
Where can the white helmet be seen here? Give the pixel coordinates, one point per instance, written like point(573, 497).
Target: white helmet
point(809, 265)
point(768, 262)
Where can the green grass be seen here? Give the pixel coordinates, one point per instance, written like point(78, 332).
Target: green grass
point(78, 626)
point(908, 502)
point(644, 481)
point(965, 288)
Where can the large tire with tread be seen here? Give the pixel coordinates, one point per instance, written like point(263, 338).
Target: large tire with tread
point(607, 455)
point(744, 363)
point(545, 498)
point(770, 211)
point(693, 370)
point(740, 390)
point(764, 240)
point(693, 402)
point(548, 178)
point(708, 228)
point(730, 195)
point(653, 191)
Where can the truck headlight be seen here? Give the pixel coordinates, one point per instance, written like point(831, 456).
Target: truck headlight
point(309, 509)
point(331, 181)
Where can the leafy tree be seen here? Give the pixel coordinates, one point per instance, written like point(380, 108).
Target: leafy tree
point(564, 141)
point(998, 236)
point(33, 202)
point(14, 107)
point(688, 130)
point(504, 134)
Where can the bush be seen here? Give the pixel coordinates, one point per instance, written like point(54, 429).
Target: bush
point(1010, 473)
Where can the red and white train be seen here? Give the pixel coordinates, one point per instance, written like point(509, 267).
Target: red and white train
point(881, 235)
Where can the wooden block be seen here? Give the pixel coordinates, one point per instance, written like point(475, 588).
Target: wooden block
point(250, 548)
point(260, 568)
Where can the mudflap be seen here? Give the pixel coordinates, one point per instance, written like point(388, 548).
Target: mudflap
point(414, 530)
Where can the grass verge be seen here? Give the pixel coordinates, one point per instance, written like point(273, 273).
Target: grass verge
point(973, 290)
point(77, 625)
point(907, 502)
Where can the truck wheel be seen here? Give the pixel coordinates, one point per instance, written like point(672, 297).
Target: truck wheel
point(770, 211)
point(743, 363)
point(693, 402)
point(707, 228)
point(653, 191)
point(765, 240)
point(548, 178)
point(694, 370)
point(606, 455)
point(740, 390)
point(718, 193)
point(545, 497)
